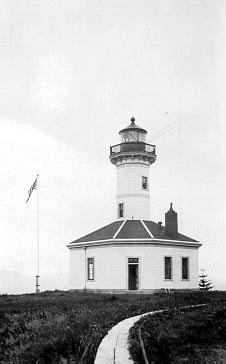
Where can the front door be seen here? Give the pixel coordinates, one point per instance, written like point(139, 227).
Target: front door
point(133, 277)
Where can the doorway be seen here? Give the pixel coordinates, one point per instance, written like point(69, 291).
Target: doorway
point(133, 274)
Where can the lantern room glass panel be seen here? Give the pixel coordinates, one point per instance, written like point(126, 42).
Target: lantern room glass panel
point(132, 136)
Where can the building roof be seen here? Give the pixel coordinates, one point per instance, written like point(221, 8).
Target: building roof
point(106, 232)
point(131, 229)
point(133, 126)
point(158, 233)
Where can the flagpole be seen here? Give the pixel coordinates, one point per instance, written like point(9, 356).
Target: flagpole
point(37, 276)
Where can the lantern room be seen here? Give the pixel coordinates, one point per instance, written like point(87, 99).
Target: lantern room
point(133, 133)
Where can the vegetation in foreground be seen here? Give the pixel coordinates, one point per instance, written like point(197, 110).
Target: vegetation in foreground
point(204, 283)
point(67, 327)
point(194, 335)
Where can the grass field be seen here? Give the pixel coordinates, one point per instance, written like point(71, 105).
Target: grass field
point(67, 327)
point(193, 335)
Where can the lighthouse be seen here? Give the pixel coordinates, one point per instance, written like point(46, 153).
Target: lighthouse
point(134, 253)
point(132, 158)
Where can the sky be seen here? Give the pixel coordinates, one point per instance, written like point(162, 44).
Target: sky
point(72, 73)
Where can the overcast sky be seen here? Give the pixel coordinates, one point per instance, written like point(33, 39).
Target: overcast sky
point(72, 73)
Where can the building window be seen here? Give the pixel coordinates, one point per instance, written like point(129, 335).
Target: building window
point(133, 273)
point(144, 183)
point(90, 265)
point(185, 268)
point(133, 260)
point(121, 210)
point(168, 268)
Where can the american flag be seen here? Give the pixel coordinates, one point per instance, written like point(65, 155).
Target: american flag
point(33, 187)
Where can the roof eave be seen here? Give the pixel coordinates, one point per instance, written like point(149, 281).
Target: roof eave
point(154, 241)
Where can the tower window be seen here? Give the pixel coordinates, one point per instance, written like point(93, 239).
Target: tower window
point(185, 268)
point(121, 210)
point(90, 265)
point(144, 183)
point(168, 268)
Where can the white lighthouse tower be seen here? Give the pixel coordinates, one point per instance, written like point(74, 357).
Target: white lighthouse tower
point(132, 158)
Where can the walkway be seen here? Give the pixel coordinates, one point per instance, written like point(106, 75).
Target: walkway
point(114, 346)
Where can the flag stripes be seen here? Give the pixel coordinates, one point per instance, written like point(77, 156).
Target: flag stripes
point(33, 187)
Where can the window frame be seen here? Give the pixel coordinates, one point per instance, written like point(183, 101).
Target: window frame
point(187, 267)
point(171, 268)
point(89, 279)
point(144, 182)
point(119, 210)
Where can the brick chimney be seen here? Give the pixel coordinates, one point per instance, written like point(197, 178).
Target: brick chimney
point(171, 227)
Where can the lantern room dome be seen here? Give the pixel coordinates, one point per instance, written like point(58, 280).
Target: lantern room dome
point(133, 126)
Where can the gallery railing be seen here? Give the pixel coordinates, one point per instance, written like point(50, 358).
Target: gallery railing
point(132, 147)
